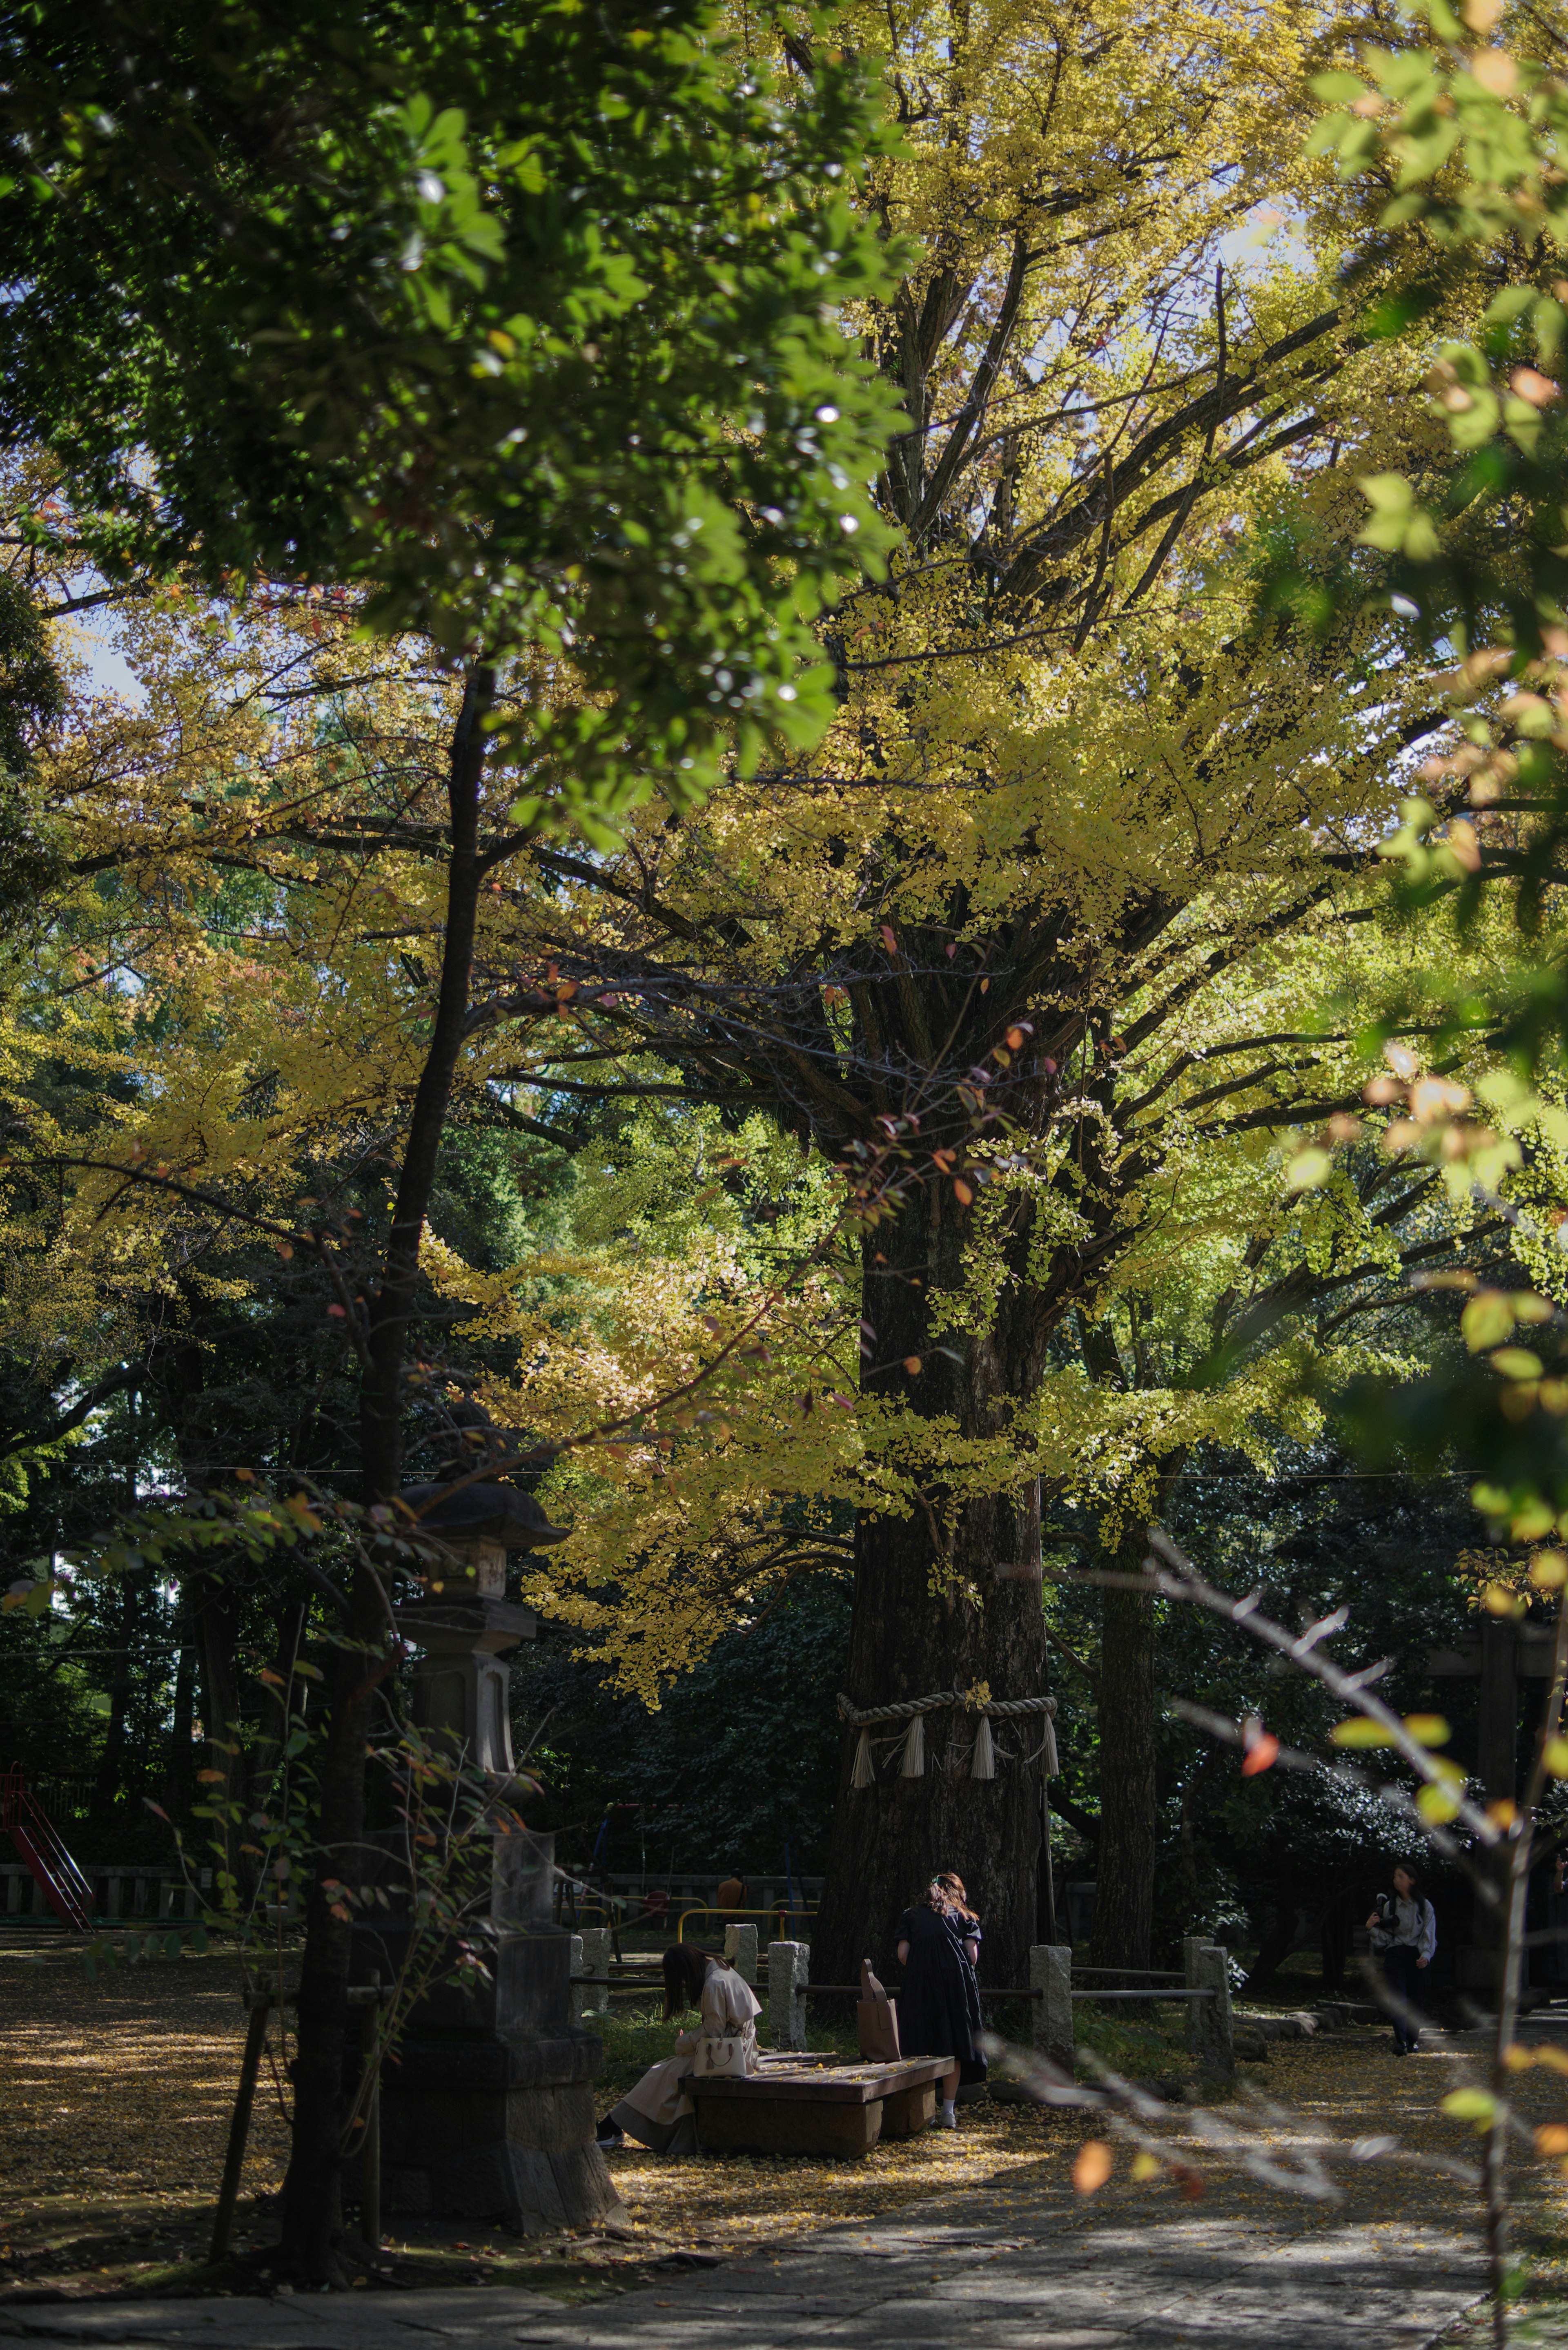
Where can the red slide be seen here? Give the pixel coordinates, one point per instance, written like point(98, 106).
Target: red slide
point(66, 1889)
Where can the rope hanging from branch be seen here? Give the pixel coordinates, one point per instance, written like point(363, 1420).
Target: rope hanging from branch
point(914, 1709)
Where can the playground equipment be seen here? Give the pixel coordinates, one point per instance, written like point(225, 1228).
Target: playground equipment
point(54, 1873)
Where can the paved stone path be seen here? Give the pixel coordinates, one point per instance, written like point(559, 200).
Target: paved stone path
point(996, 2269)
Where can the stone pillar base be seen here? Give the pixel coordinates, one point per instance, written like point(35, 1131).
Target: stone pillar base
point(499, 2129)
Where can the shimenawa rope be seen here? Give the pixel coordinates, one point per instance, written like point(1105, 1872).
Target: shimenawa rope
point(914, 1709)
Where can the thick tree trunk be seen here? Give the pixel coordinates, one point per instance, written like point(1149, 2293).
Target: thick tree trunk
point(944, 1598)
point(311, 2211)
point(889, 1840)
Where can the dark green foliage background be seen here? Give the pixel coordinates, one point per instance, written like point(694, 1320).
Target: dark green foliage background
point(744, 1754)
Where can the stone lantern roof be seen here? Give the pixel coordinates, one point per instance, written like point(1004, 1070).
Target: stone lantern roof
point(486, 1513)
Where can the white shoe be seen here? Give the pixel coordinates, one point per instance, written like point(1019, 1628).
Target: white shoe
point(946, 2117)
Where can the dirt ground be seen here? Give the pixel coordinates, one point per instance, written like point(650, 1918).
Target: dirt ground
point(115, 2098)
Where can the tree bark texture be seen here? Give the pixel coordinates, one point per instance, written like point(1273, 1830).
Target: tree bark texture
point(1124, 1901)
point(945, 1597)
point(312, 2212)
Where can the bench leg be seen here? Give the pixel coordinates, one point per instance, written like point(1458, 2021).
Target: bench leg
point(908, 2111)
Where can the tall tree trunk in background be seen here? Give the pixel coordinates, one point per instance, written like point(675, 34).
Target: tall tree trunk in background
point(312, 2203)
point(180, 1763)
point(941, 1601)
point(1129, 1820)
point(110, 1787)
point(289, 1611)
point(214, 1604)
point(1124, 1898)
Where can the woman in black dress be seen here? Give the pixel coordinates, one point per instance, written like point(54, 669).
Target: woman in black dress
point(939, 2005)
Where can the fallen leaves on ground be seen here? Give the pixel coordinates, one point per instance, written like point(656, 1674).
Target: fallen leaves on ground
point(115, 2100)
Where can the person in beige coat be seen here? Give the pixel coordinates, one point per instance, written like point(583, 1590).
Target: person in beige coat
point(660, 2113)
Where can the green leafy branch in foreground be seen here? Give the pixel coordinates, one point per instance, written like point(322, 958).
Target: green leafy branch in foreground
point(537, 325)
point(1465, 148)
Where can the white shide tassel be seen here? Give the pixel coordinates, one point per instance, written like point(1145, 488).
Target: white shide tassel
point(914, 1763)
point(984, 1764)
point(864, 1774)
point(1048, 1762)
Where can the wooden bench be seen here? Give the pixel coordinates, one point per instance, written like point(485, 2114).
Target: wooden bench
point(813, 2104)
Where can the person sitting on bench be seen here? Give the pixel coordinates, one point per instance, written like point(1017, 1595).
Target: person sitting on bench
point(659, 2113)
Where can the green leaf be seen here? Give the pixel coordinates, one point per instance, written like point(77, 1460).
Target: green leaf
point(1486, 1319)
point(1398, 523)
point(1360, 1731)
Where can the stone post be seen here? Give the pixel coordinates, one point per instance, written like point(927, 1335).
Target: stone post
point(594, 1942)
point(741, 1950)
point(787, 1975)
point(1191, 1946)
point(1216, 2033)
point(1051, 1972)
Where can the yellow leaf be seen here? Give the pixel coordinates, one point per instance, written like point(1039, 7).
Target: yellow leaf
point(1427, 1729)
point(1310, 1170)
point(1361, 1731)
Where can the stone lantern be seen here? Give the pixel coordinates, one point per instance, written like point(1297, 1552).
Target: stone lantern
point(467, 1626)
point(488, 2113)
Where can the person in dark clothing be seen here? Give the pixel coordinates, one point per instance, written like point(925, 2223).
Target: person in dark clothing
point(939, 2005)
point(1404, 1929)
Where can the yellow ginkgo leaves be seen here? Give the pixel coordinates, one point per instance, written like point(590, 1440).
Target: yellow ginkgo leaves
point(1362, 1730)
point(1439, 1800)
